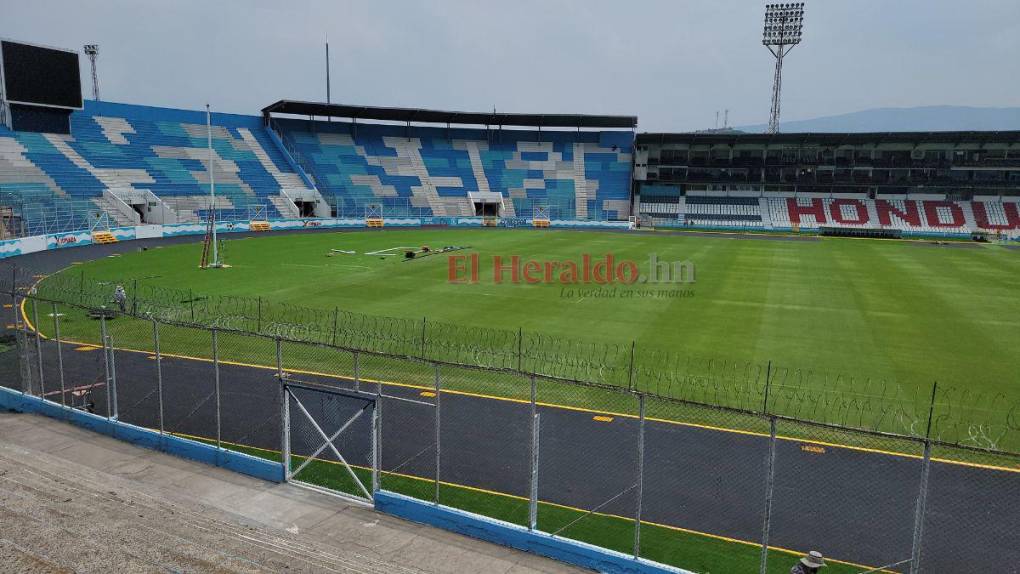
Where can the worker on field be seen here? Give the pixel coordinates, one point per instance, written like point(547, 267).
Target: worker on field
point(120, 298)
point(809, 564)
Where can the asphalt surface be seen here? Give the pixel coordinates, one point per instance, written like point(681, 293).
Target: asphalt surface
point(853, 505)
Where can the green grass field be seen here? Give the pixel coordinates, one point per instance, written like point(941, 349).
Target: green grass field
point(908, 312)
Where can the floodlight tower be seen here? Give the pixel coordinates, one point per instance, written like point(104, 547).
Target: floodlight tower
point(92, 51)
point(783, 25)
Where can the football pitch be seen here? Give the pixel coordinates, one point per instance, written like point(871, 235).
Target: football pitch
point(906, 312)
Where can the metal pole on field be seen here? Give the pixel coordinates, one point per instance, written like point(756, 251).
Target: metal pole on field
point(159, 372)
point(216, 382)
point(641, 475)
point(769, 484)
point(106, 359)
point(768, 386)
point(919, 513)
point(60, 354)
point(284, 414)
point(258, 328)
point(38, 348)
point(533, 487)
point(438, 448)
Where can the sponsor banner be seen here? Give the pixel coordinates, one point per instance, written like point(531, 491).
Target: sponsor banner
point(73, 239)
point(124, 233)
point(176, 229)
point(570, 223)
point(13, 247)
point(148, 231)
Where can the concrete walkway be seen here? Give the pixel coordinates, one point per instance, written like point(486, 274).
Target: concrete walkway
point(72, 500)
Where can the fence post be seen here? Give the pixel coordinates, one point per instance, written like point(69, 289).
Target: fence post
point(630, 373)
point(159, 374)
point(21, 334)
point(768, 386)
point(60, 354)
point(134, 297)
point(922, 495)
point(38, 348)
point(520, 346)
point(533, 487)
point(357, 372)
point(769, 483)
point(81, 288)
point(641, 475)
point(336, 318)
point(285, 412)
point(113, 378)
point(258, 324)
point(423, 323)
point(191, 302)
point(439, 449)
point(919, 512)
point(216, 383)
point(106, 360)
point(376, 438)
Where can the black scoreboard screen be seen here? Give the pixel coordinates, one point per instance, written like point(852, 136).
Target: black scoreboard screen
point(40, 76)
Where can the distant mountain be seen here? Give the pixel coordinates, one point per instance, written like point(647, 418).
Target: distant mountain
point(920, 119)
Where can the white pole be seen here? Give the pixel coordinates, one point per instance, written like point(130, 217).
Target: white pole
point(212, 188)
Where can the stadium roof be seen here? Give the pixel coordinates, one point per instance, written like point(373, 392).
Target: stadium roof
point(444, 117)
point(831, 139)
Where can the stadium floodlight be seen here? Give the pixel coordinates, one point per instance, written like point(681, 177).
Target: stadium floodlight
point(784, 24)
point(92, 51)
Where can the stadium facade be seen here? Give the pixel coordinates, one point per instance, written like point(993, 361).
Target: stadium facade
point(906, 182)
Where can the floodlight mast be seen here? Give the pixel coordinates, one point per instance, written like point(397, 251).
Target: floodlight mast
point(92, 51)
point(212, 192)
point(784, 24)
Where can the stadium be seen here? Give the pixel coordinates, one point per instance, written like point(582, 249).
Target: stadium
point(627, 351)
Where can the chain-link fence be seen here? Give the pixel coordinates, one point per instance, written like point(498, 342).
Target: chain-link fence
point(660, 478)
point(960, 415)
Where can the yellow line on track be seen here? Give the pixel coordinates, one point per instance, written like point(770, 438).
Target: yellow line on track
point(800, 440)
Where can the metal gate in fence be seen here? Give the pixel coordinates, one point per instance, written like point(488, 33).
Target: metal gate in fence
point(330, 439)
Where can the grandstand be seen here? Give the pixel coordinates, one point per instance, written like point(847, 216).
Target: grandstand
point(140, 164)
point(435, 171)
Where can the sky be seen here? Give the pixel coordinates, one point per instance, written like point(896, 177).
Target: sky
point(672, 63)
